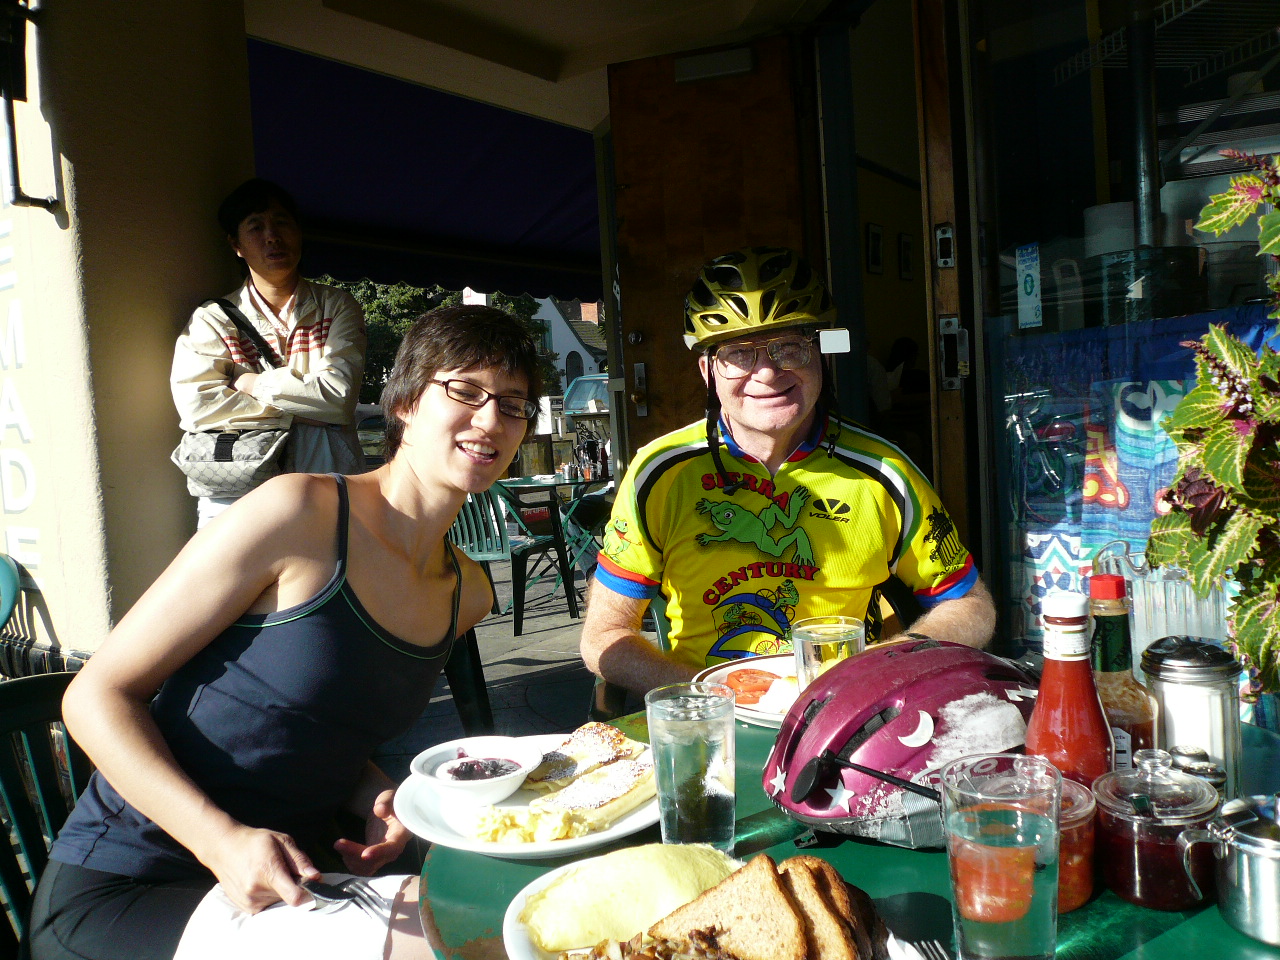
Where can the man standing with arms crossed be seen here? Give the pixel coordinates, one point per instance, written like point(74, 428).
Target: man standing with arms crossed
point(774, 509)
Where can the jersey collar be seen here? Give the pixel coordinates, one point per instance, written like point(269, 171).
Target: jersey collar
point(806, 446)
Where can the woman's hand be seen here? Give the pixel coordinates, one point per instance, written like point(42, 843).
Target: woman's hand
point(385, 839)
point(260, 867)
point(244, 383)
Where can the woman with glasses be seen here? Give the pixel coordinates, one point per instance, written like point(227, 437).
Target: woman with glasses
point(288, 640)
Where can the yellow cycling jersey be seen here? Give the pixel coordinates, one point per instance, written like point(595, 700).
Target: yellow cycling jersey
point(845, 511)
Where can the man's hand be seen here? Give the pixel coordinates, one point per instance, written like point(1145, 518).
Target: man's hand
point(385, 839)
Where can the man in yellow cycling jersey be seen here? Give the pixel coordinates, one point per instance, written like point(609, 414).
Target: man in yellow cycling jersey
point(773, 508)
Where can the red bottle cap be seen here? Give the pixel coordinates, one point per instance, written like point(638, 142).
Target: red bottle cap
point(1106, 586)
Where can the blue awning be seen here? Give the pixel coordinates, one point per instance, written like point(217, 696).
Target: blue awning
point(396, 181)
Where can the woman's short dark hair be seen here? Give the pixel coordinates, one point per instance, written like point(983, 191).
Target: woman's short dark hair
point(455, 338)
point(252, 196)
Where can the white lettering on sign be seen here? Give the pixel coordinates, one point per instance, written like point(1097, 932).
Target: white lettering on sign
point(13, 345)
point(20, 543)
point(17, 481)
point(11, 412)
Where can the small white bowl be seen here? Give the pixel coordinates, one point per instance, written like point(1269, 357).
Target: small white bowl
point(432, 764)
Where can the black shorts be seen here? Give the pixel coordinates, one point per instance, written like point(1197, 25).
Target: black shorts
point(83, 914)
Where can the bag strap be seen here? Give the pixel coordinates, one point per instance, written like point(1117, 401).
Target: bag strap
point(265, 352)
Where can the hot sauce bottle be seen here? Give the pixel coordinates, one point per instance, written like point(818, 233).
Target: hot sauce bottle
point(1130, 709)
point(1067, 725)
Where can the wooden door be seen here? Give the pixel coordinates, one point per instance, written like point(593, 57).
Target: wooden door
point(701, 167)
point(951, 311)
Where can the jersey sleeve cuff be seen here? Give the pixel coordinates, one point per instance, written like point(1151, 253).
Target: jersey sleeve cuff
point(625, 582)
point(953, 587)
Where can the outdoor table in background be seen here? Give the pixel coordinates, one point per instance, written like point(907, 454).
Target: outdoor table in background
point(581, 542)
point(464, 895)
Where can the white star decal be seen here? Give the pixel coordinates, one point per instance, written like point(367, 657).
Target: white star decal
point(778, 782)
point(840, 796)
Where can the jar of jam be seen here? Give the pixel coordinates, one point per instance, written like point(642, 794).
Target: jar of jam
point(1075, 846)
point(1141, 812)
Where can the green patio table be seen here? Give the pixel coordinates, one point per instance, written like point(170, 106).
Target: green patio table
point(464, 895)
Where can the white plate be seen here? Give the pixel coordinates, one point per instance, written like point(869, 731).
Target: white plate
point(422, 810)
point(783, 664)
point(520, 945)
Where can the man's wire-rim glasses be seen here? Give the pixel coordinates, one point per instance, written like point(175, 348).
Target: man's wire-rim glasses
point(737, 360)
point(466, 392)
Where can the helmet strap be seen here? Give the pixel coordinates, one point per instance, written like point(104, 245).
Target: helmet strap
point(713, 432)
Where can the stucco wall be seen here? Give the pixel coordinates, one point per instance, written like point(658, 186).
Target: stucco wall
point(144, 110)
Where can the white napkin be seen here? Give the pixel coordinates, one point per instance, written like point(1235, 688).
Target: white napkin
point(218, 929)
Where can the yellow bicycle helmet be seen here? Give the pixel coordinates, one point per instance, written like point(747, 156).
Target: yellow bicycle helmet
point(747, 291)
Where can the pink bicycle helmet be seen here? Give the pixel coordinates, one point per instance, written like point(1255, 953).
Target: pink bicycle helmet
point(904, 710)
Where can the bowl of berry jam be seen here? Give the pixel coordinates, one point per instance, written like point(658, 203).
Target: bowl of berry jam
point(478, 770)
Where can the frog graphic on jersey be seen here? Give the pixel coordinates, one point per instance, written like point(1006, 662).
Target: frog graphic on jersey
point(754, 624)
point(740, 524)
point(615, 539)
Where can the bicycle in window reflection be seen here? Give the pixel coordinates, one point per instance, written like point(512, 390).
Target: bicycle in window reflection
point(1046, 457)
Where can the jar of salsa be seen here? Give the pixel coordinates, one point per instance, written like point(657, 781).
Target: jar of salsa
point(1075, 846)
point(1141, 812)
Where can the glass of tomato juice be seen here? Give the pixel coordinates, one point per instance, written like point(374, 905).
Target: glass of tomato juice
point(1000, 815)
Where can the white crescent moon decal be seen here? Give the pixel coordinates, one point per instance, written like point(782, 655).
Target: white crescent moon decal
point(922, 734)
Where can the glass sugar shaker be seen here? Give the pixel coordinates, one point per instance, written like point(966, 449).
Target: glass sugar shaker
point(1195, 683)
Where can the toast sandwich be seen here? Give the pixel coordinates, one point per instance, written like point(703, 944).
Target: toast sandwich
point(750, 915)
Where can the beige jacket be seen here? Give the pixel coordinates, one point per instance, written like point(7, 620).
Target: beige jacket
point(320, 379)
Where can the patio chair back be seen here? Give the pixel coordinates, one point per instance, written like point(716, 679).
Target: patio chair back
point(480, 529)
point(10, 587)
point(42, 772)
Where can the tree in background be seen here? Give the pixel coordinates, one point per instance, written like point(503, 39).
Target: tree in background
point(390, 308)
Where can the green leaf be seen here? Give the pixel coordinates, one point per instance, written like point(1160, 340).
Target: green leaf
point(1269, 233)
point(1238, 358)
point(1261, 492)
point(1232, 208)
point(1235, 545)
point(1202, 407)
point(1257, 631)
point(1169, 536)
point(1225, 448)
point(1201, 563)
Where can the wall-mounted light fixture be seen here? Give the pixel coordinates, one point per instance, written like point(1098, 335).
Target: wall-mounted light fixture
point(14, 15)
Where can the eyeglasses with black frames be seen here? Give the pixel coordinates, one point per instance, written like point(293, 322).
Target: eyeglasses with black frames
point(464, 391)
point(737, 360)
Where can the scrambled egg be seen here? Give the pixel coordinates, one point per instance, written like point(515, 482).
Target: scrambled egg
point(517, 825)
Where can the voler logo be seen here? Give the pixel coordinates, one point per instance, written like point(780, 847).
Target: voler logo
point(831, 509)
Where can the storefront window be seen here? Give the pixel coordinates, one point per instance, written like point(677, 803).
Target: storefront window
point(1099, 128)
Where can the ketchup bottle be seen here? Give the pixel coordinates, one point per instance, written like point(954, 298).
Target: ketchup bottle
point(1067, 725)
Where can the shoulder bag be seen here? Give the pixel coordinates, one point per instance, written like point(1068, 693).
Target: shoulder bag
point(230, 463)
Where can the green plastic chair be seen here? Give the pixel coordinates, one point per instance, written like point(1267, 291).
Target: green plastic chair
point(42, 772)
point(10, 587)
point(540, 541)
point(481, 533)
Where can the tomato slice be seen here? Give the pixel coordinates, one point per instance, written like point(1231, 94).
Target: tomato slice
point(750, 684)
point(992, 884)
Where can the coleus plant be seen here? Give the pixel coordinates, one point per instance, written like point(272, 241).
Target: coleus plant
point(1223, 516)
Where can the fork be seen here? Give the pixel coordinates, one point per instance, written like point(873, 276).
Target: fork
point(356, 890)
point(930, 949)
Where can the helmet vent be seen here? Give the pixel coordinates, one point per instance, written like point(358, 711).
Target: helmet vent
point(772, 268)
point(714, 319)
point(766, 304)
point(862, 735)
point(738, 304)
point(730, 278)
point(702, 294)
point(792, 306)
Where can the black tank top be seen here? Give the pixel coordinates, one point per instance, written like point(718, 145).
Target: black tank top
point(275, 719)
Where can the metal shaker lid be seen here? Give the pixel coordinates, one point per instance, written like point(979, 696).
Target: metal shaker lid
point(1190, 660)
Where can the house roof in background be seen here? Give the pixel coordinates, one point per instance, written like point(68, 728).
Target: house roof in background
point(397, 181)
